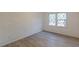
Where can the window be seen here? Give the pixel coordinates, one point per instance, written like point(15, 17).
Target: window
point(58, 19)
point(52, 19)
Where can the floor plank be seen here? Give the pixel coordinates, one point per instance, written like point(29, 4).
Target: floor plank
point(46, 39)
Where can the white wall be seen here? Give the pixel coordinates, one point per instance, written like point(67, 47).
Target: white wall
point(72, 28)
point(14, 26)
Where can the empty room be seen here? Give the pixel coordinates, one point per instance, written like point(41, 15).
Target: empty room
point(39, 29)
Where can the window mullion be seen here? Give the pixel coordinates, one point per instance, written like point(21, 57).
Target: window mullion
point(56, 19)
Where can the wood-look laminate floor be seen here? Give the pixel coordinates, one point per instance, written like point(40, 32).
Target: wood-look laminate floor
point(46, 39)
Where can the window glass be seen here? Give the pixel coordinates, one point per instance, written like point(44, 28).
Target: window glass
point(61, 15)
point(61, 19)
point(52, 19)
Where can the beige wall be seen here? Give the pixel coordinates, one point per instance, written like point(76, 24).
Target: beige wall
point(15, 26)
point(72, 28)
